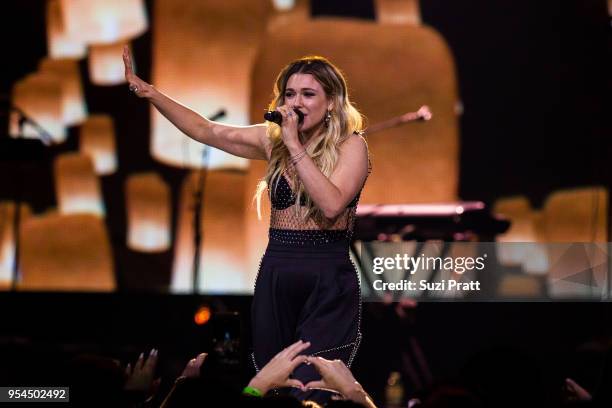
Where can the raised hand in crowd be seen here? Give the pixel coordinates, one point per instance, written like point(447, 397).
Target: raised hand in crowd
point(192, 369)
point(140, 378)
point(276, 373)
point(574, 392)
point(337, 377)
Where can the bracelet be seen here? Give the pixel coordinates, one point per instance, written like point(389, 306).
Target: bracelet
point(254, 392)
point(297, 157)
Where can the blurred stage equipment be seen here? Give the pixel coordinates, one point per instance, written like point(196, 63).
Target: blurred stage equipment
point(522, 233)
point(202, 315)
point(77, 186)
point(148, 213)
point(211, 68)
point(39, 98)
point(97, 140)
point(523, 245)
point(447, 223)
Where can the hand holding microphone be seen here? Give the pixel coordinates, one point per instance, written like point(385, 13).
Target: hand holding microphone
point(276, 117)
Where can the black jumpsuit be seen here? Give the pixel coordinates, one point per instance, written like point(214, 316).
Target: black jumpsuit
point(307, 287)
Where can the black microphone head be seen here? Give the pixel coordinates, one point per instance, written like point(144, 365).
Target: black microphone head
point(276, 117)
point(300, 115)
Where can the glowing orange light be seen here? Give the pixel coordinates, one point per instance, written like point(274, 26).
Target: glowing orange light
point(202, 315)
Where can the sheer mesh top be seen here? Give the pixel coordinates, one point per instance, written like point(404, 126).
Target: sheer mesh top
point(289, 227)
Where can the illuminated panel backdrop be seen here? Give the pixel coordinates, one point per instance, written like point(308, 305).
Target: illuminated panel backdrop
point(576, 216)
point(67, 72)
point(106, 64)
point(59, 43)
point(65, 252)
point(77, 187)
point(202, 56)
point(148, 213)
point(103, 21)
point(97, 140)
point(7, 240)
point(222, 261)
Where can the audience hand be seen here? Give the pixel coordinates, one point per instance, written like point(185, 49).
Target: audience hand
point(192, 369)
point(575, 392)
point(140, 377)
point(337, 377)
point(276, 373)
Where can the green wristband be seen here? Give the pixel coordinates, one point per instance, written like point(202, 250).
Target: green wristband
point(252, 392)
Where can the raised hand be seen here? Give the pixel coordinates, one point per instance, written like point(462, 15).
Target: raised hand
point(276, 373)
point(337, 377)
point(192, 369)
point(141, 376)
point(137, 85)
point(574, 392)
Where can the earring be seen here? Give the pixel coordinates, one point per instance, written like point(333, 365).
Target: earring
point(327, 118)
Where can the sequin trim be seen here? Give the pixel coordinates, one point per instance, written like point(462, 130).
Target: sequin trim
point(307, 237)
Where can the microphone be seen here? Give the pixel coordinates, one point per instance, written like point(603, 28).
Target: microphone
point(276, 117)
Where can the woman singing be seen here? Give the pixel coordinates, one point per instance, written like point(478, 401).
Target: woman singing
point(307, 288)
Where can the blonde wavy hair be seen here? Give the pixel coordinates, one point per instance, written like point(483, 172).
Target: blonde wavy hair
point(324, 149)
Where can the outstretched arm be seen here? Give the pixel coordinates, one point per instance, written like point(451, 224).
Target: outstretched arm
point(250, 142)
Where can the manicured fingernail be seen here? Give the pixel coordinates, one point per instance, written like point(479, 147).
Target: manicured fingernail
point(141, 356)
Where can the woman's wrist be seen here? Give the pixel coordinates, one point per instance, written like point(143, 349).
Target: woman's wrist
point(258, 385)
point(295, 148)
point(356, 393)
point(153, 94)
